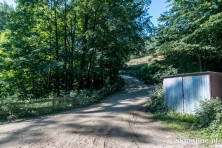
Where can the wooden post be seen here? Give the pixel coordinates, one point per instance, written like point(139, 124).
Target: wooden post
point(53, 105)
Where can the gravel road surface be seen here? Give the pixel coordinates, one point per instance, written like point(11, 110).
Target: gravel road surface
point(119, 121)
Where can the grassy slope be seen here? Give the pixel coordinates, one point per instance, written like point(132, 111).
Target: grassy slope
point(148, 69)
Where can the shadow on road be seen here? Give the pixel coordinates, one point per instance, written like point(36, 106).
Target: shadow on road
point(121, 116)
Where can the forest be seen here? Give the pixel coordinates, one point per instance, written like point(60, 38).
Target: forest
point(57, 55)
point(189, 36)
point(58, 46)
point(187, 39)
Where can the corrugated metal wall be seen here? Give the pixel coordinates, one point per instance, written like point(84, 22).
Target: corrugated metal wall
point(183, 94)
point(173, 93)
point(195, 89)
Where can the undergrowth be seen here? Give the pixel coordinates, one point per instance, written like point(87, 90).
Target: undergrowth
point(74, 100)
point(205, 124)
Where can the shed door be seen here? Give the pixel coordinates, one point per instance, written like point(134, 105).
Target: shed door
point(173, 93)
point(195, 88)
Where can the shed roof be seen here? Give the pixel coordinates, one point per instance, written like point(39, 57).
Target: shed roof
point(192, 74)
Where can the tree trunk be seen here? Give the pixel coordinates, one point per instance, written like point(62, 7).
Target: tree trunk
point(84, 52)
point(57, 50)
point(65, 43)
point(91, 61)
point(73, 34)
point(200, 63)
point(50, 49)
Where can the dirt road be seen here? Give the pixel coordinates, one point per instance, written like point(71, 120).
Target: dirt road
point(117, 122)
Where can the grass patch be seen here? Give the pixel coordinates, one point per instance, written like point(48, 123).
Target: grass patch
point(205, 124)
point(176, 121)
point(184, 123)
point(141, 60)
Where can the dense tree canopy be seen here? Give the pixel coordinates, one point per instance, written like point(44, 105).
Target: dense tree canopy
point(62, 45)
point(190, 35)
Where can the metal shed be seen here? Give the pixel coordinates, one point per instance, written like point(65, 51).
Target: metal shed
point(184, 92)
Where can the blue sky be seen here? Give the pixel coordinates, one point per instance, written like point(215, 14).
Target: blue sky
point(156, 8)
point(10, 2)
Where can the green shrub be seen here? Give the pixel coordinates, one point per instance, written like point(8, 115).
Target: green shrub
point(209, 114)
point(215, 126)
point(156, 101)
point(206, 123)
point(209, 118)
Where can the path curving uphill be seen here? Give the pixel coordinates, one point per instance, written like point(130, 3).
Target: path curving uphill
point(119, 121)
